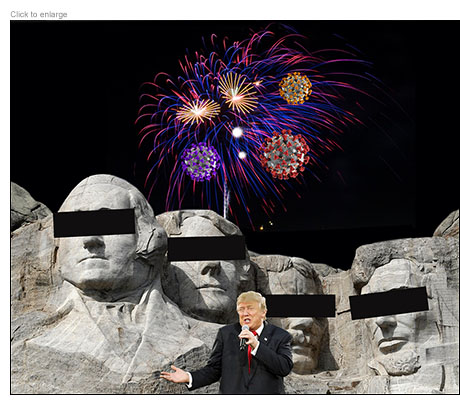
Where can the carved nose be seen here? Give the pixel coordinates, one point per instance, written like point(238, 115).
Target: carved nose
point(301, 323)
point(213, 268)
point(386, 322)
point(93, 241)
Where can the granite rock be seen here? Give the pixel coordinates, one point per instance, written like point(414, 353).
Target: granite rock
point(419, 350)
point(24, 209)
point(206, 290)
point(448, 227)
point(75, 335)
point(295, 276)
point(88, 313)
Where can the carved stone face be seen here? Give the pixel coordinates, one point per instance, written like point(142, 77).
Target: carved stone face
point(306, 333)
point(100, 262)
point(306, 340)
point(207, 289)
point(395, 336)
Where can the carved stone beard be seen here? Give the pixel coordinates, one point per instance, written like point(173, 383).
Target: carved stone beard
point(403, 362)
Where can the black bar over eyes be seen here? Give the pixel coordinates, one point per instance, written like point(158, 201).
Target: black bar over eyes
point(88, 223)
point(206, 248)
point(391, 302)
point(122, 221)
point(301, 306)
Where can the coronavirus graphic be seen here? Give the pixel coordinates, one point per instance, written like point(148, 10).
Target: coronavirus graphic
point(226, 101)
point(295, 88)
point(285, 155)
point(200, 162)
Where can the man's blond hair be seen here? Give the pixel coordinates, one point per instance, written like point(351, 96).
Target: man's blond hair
point(252, 296)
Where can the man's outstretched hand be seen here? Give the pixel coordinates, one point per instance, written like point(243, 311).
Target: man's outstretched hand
point(179, 376)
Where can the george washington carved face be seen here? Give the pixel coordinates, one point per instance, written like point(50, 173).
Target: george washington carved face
point(110, 262)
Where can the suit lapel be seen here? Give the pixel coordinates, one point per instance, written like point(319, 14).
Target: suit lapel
point(266, 333)
point(264, 339)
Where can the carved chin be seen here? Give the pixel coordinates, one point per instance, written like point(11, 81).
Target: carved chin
point(401, 363)
point(94, 280)
point(214, 314)
point(214, 299)
point(303, 364)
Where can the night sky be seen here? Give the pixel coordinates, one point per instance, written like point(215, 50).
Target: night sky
point(75, 88)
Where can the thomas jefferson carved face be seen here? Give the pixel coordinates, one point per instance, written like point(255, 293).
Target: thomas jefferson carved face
point(207, 289)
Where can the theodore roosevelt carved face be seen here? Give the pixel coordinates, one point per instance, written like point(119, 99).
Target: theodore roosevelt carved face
point(296, 276)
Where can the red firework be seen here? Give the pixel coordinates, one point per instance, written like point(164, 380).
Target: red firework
point(284, 155)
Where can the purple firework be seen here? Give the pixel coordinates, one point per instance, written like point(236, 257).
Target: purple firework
point(200, 162)
point(237, 85)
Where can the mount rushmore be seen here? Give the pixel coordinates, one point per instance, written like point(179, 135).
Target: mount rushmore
point(107, 313)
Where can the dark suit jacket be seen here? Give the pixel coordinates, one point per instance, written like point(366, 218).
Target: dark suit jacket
point(272, 362)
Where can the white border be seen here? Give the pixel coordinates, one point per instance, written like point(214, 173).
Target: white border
point(184, 10)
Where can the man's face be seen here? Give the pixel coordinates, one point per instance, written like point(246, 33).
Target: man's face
point(208, 289)
point(251, 314)
point(306, 341)
point(393, 332)
point(99, 262)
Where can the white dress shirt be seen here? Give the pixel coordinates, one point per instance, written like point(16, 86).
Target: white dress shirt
point(253, 353)
point(258, 331)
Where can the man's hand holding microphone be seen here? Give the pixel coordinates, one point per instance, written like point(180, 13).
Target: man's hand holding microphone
point(247, 338)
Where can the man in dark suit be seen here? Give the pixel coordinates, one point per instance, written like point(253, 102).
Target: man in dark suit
point(257, 368)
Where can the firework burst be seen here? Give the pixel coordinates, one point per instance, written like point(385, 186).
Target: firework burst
point(237, 94)
point(238, 86)
point(197, 111)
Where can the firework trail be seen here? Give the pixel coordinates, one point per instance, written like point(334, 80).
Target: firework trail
point(232, 99)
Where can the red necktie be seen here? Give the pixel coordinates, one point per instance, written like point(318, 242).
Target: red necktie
point(249, 353)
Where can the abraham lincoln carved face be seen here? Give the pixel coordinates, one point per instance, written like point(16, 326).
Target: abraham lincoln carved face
point(395, 337)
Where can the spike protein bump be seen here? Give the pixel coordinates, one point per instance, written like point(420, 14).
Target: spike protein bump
point(200, 162)
point(295, 88)
point(285, 155)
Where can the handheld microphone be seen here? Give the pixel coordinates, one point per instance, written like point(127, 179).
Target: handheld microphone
point(243, 341)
